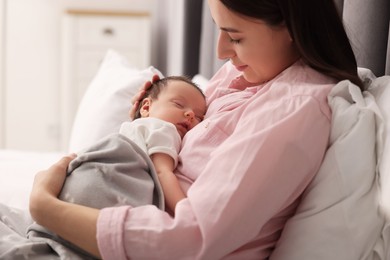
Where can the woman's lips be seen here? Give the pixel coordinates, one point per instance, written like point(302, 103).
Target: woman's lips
point(241, 68)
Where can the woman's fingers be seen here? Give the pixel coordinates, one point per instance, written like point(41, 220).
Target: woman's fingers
point(63, 163)
point(144, 88)
point(155, 78)
point(48, 184)
point(140, 95)
point(52, 179)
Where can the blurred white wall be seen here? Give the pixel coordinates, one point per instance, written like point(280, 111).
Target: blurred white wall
point(2, 102)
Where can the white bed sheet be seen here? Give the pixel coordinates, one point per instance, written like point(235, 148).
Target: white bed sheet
point(17, 171)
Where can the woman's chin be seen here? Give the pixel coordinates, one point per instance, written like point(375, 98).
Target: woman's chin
point(253, 79)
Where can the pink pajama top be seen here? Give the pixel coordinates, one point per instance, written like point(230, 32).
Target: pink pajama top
point(243, 169)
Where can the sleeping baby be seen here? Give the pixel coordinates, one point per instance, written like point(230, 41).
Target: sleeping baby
point(135, 166)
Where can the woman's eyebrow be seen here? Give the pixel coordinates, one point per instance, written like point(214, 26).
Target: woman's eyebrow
point(231, 30)
point(228, 29)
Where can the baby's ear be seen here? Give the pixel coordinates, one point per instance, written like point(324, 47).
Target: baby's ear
point(145, 106)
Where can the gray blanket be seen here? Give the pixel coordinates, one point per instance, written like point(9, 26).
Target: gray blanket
point(113, 172)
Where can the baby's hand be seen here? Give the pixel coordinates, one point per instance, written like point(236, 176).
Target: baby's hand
point(141, 93)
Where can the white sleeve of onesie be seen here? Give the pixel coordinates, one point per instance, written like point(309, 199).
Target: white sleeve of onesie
point(154, 136)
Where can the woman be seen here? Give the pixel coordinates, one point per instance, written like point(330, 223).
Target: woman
point(246, 165)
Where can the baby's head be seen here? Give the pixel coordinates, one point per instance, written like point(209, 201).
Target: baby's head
point(174, 99)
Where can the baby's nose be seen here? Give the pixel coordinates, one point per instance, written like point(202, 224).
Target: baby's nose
point(189, 114)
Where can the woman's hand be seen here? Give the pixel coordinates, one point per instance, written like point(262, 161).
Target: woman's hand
point(141, 93)
point(74, 223)
point(47, 185)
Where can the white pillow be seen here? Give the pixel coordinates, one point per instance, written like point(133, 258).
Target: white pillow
point(380, 88)
point(107, 101)
point(201, 81)
point(338, 217)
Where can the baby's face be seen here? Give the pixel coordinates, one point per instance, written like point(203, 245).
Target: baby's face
point(180, 104)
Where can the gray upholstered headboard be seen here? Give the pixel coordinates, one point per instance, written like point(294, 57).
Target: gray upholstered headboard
point(367, 23)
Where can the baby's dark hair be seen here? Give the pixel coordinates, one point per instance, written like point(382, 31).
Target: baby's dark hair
point(159, 85)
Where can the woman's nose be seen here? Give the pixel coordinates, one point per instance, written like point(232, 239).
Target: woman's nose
point(224, 50)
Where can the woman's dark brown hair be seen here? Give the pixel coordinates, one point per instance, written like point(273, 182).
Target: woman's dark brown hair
point(316, 28)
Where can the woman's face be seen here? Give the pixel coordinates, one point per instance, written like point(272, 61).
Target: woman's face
point(258, 50)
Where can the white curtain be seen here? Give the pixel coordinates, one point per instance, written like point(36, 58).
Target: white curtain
point(208, 63)
point(176, 36)
point(168, 37)
point(184, 38)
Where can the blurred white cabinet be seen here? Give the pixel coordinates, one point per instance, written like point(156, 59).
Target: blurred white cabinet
point(86, 38)
point(32, 65)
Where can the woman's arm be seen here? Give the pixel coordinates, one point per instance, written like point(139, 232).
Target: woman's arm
point(169, 183)
point(72, 222)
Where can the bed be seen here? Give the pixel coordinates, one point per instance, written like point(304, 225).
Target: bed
point(344, 213)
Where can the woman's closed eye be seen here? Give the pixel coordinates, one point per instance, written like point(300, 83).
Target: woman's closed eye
point(235, 41)
point(233, 38)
